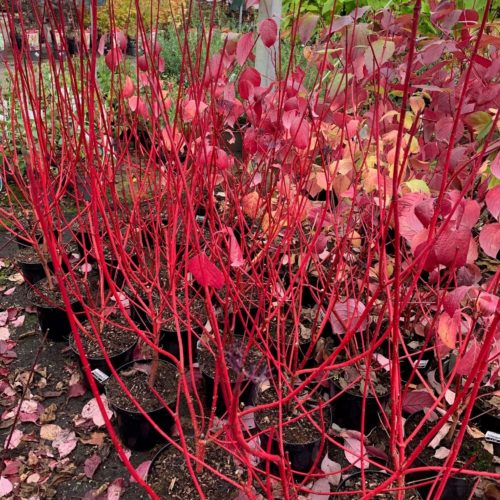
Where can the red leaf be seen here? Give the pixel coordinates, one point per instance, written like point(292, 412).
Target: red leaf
point(416, 401)
point(120, 40)
point(268, 31)
point(306, 26)
point(128, 88)
point(244, 48)
point(467, 362)
point(410, 224)
point(448, 328)
point(452, 300)
point(91, 465)
point(138, 106)
point(76, 390)
point(250, 204)
point(249, 79)
point(424, 211)
point(205, 271)
point(489, 239)
point(142, 63)
point(235, 253)
point(300, 132)
point(493, 201)
point(451, 247)
point(113, 58)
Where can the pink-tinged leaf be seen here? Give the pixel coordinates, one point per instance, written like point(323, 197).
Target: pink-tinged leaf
point(137, 105)
point(489, 239)
point(320, 489)
point(332, 470)
point(268, 31)
point(410, 224)
point(306, 26)
point(466, 363)
point(76, 390)
point(92, 412)
point(115, 489)
point(142, 470)
point(120, 40)
point(487, 303)
point(113, 58)
point(453, 299)
point(6, 487)
point(14, 441)
point(128, 88)
point(102, 45)
point(91, 465)
point(441, 453)
point(493, 201)
point(192, 109)
point(448, 328)
point(416, 401)
point(19, 321)
point(378, 54)
point(4, 317)
point(439, 436)
point(356, 449)
point(300, 132)
point(495, 166)
point(244, 48)
point(205, 271)
point(235, 253)
point(382, 361)
point(251, 3)
point(346, 315)
point(9, 291)
point(4, 333)
point(468, 214)
point(339, 23)
point(65, 443)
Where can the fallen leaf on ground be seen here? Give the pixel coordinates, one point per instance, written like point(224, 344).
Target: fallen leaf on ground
point(355, 449)
point(92, 412)
point(91, 465)
point(65, 443)
point(50, 432)
point(95, 439)
point(6, 487)
point(331, 468)
point(115, 489)
point(142, 470)
point(14, 441)
point(439, 436)
point(49, 414)
point(441, 453)
point(76, 390)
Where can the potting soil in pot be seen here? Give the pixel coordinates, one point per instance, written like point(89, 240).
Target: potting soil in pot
point(170, 478)
point(116, 338)
point(136, 378)
point(370, 482)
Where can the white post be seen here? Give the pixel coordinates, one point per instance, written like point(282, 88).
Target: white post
point(266, 58)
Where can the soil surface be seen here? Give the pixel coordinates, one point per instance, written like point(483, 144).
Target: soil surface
point(297, 429)
point(115, 338)
point(170, 478)
point(371, 481)
point(136, 378)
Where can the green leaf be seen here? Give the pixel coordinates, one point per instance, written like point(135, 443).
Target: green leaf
point(417, 186)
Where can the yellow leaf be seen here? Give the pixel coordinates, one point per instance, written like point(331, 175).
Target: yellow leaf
point(417, 186)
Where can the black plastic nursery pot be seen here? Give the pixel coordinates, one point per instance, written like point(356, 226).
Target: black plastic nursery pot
point(486, 415)
point(54, 320)
point(370, 479)
point(457, 486)
point(99, 366)
point(32, 271)
point(169, 341)
point(303, 450)
point(348, 407)
point(170, 478)
point(242, 387)
point(132, 426)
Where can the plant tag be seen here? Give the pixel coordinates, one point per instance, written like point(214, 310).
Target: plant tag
point(200, 219)
point(100, 376)
point(423, 364)
point(492, 437)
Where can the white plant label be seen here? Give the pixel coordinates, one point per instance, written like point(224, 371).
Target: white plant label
point(99, 375)
point(423, 364)
point(492, 437)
